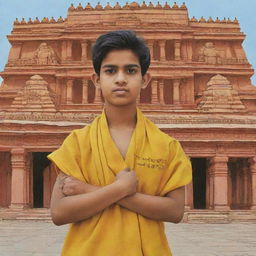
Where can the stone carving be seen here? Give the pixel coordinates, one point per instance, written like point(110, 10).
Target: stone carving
point(45, 55)
point(34, 97)
point(208, 53)
point(219, 96)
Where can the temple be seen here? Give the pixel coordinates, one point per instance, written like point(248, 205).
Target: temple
point(200, 93)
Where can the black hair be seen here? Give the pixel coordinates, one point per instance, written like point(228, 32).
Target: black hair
point(120, 40)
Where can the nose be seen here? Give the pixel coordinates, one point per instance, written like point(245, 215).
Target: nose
point(120, 78)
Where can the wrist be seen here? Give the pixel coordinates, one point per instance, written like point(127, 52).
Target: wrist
point(121, 188)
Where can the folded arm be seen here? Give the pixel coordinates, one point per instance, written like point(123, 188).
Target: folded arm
point(69, 209)
point(168, 208)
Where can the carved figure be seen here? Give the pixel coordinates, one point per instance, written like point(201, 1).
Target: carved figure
point(45, 55)
point(208, 53)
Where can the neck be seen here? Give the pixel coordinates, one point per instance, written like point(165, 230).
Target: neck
point(121, 116)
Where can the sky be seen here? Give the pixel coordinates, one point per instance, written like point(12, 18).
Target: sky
point(244, 11)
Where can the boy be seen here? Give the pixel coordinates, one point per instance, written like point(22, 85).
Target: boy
point(120, 177)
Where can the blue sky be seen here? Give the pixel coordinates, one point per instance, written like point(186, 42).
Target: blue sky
point(243, 10)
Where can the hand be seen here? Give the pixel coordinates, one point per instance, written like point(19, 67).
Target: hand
point(128, 180)
point(72, 186)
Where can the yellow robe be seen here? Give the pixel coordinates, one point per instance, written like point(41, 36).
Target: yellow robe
point(89, 154)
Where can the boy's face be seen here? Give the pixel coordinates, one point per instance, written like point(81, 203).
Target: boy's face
point(120, 78)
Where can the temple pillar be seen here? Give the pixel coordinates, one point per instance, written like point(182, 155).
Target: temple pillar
point(177, 49)
point(161, 91)
point(69, 50)
point(84, 45)
point(58, 90)
point(176, 91)
point(97, 99)
point(150, 44)
point(85, 91)
point(189, 196)
point(252, 162)
point(154, 94)
point(162, 50)
point(69, 91)
point(219, 183)
point(19, 180)
point(245, 186)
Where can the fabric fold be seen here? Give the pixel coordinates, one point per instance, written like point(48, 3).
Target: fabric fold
point(90, 154)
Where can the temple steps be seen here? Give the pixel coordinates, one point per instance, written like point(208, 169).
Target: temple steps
point(191, 216)
point(25, 214)
point(210, 216)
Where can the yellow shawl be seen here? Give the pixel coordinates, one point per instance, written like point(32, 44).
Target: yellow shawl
point(90, 154)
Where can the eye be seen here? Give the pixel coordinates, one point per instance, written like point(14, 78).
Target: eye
point(131, 70)
point(110, 70)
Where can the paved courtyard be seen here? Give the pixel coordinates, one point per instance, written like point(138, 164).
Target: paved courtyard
point(35, 238)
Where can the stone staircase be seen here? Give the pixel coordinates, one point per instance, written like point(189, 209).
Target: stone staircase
point(25, 214)
point(210, 216)
point(190, 216)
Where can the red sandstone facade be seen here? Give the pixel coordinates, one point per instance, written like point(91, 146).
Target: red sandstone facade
point(201, 94)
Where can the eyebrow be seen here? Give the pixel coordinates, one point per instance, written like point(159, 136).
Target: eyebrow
point(126, 66)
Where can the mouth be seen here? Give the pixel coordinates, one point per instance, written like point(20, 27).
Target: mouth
point(120, 90)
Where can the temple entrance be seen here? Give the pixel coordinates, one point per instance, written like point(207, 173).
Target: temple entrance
point(43, 180)
point(5, 179)
point(240, 183)
point(199, 166)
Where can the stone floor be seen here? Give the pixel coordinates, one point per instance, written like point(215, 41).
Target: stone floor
point(40, 238)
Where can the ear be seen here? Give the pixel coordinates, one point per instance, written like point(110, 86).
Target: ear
point(96, 80)
point(145, 80)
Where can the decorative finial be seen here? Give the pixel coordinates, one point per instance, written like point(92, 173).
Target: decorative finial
point(229, 20)
point(158, 6)
point(134, 5)
point(36, 21)
point(60, 19)
point(23, 21)
point(30, 21)
point(236, 21)
point(150, 5)
point(210, 20)
point(45, 20)
point(16, 22)
point(175, 6)
point(108, 6)
point(79, 7)
point(167, 6)
point(88, 7)
point(194, 19)
point(71, 8)
point(127, 6)
point(52, 20)
point(217, 20)
point(202, 19)
point(143, 5)
point(183, 6)
point(117, 6)
point(98, 6)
